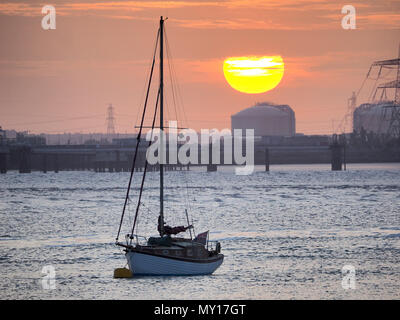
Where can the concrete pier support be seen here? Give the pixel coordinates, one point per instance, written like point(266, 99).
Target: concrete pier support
point(210, 167)
point(56, 163)
point(267, 159)
point(25, 160)
point(336, 156)
point(44, 163)
point(3, 163)
point(343, 143)
point(118, 166)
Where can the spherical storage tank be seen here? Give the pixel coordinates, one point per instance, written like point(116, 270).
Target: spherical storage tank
point(266, 119)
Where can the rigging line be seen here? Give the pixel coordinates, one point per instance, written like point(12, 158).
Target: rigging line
point(171, 114)
point(176, 85)
point(166, 107)
point(187, 201)
point(179, 109)
point(138, 219)
point(187, 192)
point(186, 175)
point(129, 210)
point(138, 138)
point(152, 63)
point(169, 58)
point(141, 99)
point(179, 98)
point(171, 82)
point(176, 96)
point(145, 168)
point(173, 85)
point(147, 208)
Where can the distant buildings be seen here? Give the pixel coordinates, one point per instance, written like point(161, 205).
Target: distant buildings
point(12, 137)
point(266, 119)
point(84, 138)
point(2, 136)
point(20, 138)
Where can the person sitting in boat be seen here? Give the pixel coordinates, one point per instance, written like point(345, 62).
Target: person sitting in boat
point(168, 230)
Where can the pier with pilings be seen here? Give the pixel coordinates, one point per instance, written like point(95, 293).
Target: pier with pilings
point(109, 158)
point(26, 159)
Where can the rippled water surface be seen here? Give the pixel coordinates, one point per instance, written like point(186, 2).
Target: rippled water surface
point(285, 234)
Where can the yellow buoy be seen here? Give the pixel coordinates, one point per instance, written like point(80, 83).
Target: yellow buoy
point(122, 273)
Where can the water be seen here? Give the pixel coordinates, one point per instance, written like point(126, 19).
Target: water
point(285, 234)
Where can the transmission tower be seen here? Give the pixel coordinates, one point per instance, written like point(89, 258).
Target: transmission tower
point(394, 123)
point(110, 120)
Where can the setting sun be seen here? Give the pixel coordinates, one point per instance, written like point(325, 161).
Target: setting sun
point(254, 74)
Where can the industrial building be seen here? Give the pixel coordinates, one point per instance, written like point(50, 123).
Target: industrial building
point(373, 117)
point(266, 119)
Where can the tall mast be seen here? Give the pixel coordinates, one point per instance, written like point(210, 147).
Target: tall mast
point(161, 126)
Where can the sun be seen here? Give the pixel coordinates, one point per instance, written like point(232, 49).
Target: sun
point(254, 74)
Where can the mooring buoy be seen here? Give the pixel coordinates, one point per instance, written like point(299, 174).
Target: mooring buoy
point(122, 273)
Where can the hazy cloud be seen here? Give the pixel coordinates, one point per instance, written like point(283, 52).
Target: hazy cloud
point(276, 14)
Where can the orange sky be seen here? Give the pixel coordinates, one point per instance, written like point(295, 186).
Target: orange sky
point(62, 80)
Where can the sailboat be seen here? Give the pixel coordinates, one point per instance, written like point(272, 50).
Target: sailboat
point(166, 254)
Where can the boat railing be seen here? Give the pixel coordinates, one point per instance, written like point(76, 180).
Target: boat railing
point(211, 244)
point(211, 247)
point(140, 240)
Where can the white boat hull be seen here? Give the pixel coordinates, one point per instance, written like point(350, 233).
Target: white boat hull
point(147, 264)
